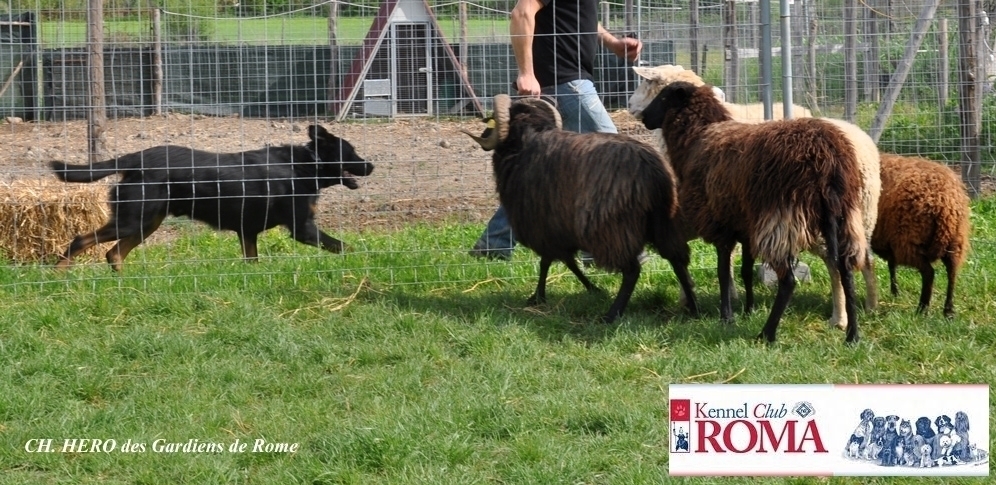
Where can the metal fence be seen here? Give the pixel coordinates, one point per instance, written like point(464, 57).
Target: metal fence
point(210, 79)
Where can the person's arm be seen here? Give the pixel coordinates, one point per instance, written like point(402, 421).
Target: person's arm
point(627, 47)
point(521, 27)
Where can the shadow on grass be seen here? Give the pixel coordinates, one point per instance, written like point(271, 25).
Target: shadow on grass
point(575, 314)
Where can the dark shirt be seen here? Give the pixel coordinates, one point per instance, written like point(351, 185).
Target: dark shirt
point(564, 41)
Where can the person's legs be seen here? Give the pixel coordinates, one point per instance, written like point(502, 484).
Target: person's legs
point(581, 108)
point(497, 240)
point(582, 111)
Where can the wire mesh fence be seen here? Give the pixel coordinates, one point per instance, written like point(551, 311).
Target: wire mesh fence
point(399, 80)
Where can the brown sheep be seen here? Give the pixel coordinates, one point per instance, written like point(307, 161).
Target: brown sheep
point(607, 194)
point(656, 78)
point(923, 216)
point(777, 188)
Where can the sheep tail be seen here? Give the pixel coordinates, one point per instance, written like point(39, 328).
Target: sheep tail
point(848, 240)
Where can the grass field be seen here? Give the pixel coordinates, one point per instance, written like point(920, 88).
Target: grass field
point(277, 30)
point(406, 361)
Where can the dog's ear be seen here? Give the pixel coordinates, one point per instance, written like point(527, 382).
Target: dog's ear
point(315, 132)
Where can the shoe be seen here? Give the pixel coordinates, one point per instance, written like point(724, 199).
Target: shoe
point(588, 261)
point(481, 251)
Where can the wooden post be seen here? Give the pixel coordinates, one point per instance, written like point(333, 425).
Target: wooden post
point(943, 62)
point(333, 83)
point(732, 61)
point(464, 44)
point(606, 17)
point(693, 36)
point(97, 114)
point(969, 101)
point(850, 60)
point(812, 94)
point(628, 6)
point(873, 68)
point(157, 61)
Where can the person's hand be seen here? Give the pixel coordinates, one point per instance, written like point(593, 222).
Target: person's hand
point(627, 48)
point(528, 85)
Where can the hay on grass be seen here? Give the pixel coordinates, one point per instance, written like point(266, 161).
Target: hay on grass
point(40, 217)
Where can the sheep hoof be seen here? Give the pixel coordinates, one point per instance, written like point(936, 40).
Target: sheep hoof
point(949, 314)
point(535, 300)
point(762, 337)
point(837, 323)
point(609, 318)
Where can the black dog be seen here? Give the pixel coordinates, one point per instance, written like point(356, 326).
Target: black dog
point(923, 428)
point(247, 192)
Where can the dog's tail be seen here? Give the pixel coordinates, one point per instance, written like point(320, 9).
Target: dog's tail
point(85, 173)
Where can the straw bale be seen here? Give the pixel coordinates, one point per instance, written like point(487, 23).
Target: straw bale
point(40, 217)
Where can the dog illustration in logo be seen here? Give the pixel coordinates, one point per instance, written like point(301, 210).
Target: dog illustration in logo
point(875, 438)
point(906, 444)
point(923, 428)
point(977, 454)
point(888, 454)
point(963, 447)
point(924, 451)
point(859, 438)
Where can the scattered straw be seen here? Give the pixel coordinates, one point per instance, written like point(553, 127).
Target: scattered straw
point(734, 376)
point(41, 216)
point(696, 376)
point(332, 304)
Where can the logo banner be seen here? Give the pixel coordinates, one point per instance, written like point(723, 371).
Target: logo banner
point(829, 429)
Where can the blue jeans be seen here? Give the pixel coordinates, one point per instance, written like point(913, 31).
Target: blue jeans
point(582, 112)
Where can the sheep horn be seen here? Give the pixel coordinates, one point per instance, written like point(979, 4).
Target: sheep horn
point(490, 141)
point(544, 104)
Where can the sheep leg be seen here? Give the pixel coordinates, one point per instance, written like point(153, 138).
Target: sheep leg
point(838, 317)
point(747, 275)
point(927, 278)
point(871, 282)
point(893, 287)
point(630, 276)
point(588, 285)
point(952, 271)
point(850, 300)
point(685, 281)
point(786, 286)
point(677, 252)
point(723, 268)
point(539, 296)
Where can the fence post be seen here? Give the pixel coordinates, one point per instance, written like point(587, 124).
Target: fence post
point(731, 61)
point(97, 114)
point(850, 60)
point(872, 52)
point(943, 62)
point(693, 36)
point(464, 42)
point(968, 97)
point(157, 61)
point(333, 82)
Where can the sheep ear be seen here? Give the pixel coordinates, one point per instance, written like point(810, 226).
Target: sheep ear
point(644, 72)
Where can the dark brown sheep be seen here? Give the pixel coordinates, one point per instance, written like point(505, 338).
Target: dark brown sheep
point(607, 194)
point(923, 216)
point(778, 188)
